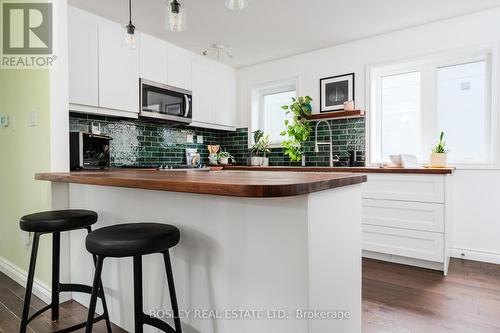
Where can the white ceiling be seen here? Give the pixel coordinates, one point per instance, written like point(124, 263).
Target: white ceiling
point(271, 29)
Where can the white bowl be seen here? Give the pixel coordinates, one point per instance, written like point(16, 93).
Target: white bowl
point(395, 159)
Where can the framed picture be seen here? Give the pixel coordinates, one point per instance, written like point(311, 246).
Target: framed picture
point(336, 90)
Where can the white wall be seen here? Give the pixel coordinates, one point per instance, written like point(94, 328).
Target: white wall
point(476, 217)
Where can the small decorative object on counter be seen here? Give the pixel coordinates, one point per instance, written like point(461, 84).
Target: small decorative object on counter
point(224, 157)
point(212, 157)
point(193, 158)
point(349, 106)
point(261, 145)
point(439, 153)
point(297, 130)
point(352, 158)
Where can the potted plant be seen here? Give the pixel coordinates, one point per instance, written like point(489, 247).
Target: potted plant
point(261, 145)
point(224, 157)
point(298, 129)
point(439, 153)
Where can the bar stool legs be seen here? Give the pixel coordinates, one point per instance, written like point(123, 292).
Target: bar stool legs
point(56, 243)
point(29, 284)
point(57, 288)
point(140, 318)
point(171, 289)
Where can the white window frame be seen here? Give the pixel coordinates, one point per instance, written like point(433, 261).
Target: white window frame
point(427, 66)
point(257, 93)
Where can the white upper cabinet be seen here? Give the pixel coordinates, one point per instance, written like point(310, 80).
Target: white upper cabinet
point(203, 99)
point(179, 68)
point(214, 95)
point(83, 55)
point(153, 54)
point(118, 70)
point(225, 96)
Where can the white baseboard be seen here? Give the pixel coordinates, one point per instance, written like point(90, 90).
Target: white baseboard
point(483, 256)
point(20, 276)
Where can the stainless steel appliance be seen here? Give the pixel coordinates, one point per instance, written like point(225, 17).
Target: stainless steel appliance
point(89, 151)
point(162, 102)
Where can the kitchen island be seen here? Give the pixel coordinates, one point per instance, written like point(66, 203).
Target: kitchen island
point(259, 251)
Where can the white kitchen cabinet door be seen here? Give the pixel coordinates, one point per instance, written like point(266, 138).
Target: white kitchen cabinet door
point(402, 187)
point(83, 68)
point(225, 96)
point(422, 245)
point(153, 59)
point(118, 70)
point(406, 215)
point(179, 69)
point(203, 98)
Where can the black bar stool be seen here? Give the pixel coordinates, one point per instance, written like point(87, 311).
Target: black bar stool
point(55, 222)
point(135, 240)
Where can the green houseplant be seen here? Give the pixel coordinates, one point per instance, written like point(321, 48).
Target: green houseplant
point(439, 153)
point(297, 130)
point(224, 158)
point(261, 145)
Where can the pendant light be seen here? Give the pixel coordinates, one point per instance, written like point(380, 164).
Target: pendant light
point(236, 4)
point(175, 16)
point(130, 38)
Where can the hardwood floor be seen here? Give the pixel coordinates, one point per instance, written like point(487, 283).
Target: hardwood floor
point(396, 299)
point(403, 299)
point(11, 306)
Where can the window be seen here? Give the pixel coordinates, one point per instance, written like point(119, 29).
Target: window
point(267, 114)
point(400, 113)
point(411, 103)
point(463, 111)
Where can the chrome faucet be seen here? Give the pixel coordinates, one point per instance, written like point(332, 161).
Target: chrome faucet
point(317, 144)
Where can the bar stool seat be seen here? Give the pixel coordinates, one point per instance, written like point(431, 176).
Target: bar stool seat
point(58, 220)
point(128, 240)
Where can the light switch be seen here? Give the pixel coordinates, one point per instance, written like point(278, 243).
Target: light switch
point(199, 139)
point(33, 118)
point(25, 238)
point(189, 138)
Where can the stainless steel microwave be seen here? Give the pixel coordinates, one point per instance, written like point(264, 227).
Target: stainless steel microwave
point(163, 102)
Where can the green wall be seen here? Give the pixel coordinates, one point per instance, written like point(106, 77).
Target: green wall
point(24, 150)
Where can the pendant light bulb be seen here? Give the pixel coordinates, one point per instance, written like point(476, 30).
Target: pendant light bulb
point(130, 38)
point(237, 4)
point(175, 16)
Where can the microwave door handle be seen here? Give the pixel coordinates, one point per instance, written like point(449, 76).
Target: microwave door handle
point(187, 107)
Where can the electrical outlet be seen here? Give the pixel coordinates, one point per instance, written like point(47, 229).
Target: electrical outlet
point(199, 139)
point(4, 120)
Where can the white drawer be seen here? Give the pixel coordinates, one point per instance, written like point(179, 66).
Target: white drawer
point(404, 214)
point(423, 245)
point(423, 188)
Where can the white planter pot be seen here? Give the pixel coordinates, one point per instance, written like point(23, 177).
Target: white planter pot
point(256, 161)
point(265, 161)
point(224, 160)
point(439, 160)
point(213, 159)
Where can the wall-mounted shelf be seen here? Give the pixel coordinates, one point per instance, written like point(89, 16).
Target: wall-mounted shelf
point(337, 114)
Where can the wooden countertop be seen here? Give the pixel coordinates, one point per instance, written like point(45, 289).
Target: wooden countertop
point(429, 171)
point(229, 183)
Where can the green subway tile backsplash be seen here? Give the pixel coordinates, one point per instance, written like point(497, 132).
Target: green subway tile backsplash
point(139, 142)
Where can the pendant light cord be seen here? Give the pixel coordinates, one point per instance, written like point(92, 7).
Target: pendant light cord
point(130, 11)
